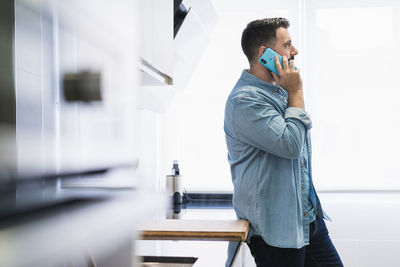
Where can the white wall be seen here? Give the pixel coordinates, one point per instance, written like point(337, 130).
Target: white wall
point(364, 227)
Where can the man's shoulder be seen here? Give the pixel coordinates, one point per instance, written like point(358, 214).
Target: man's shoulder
point(245, 92)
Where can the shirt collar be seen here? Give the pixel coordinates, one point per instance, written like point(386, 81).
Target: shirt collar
point(253, 80)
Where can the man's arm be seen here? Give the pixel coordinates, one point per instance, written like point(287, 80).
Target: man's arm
point(259, 124)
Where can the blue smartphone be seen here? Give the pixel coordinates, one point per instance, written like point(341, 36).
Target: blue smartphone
point(268, 60)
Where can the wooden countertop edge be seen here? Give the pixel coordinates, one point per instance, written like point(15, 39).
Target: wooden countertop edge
point(165, 233)
point(192, 238)
point(196, 234)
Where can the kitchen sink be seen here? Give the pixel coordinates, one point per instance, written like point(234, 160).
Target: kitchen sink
point(164, 261)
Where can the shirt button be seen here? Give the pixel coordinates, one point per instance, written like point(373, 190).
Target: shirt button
point(305, 214)
point(301, 165)
point(302, 187)
point(284, 99)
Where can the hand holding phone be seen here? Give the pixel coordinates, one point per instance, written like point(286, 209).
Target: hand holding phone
point(283, 72)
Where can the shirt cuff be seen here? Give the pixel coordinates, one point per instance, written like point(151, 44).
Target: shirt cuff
point(300, 114)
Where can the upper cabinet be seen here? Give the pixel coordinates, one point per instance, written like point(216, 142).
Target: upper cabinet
point(175, 34)
point(156, 48)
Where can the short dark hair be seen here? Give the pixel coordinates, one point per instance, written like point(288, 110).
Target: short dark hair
point(260, 32)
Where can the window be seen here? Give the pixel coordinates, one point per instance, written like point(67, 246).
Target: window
point(349, 60)
point(350, 79)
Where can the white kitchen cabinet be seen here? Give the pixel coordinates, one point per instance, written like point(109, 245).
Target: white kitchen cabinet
point(169, 62)
point(55, 38)
point(157, 34)
point(243, 257)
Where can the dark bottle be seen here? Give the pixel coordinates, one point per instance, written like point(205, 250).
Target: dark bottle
point(175, 168)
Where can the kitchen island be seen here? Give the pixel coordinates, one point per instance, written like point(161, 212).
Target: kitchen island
point(206, 251)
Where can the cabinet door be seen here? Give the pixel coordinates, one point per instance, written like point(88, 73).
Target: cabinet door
point(243, 257)
point(157, 34)
point(146, 29)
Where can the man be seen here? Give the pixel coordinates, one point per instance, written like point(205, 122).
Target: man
point(269, 152)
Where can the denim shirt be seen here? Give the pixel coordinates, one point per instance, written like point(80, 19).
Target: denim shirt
point(269, 152)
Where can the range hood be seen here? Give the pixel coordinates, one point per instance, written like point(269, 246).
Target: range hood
point(180, 12)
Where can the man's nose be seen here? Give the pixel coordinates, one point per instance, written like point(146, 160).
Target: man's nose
point(294, 51)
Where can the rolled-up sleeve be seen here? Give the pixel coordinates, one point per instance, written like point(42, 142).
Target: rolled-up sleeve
point(261, 125)
point(300, 114)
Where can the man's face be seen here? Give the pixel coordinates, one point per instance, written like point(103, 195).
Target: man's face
point(283, 45)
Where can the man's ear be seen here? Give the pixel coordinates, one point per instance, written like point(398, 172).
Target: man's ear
point(261, 51)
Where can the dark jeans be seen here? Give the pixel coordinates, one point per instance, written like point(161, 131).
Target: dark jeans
point(320, 251)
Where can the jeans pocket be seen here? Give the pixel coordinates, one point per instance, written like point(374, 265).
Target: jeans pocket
point(312, 230)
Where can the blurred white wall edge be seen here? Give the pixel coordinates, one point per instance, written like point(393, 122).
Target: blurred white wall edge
point(53, 38)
